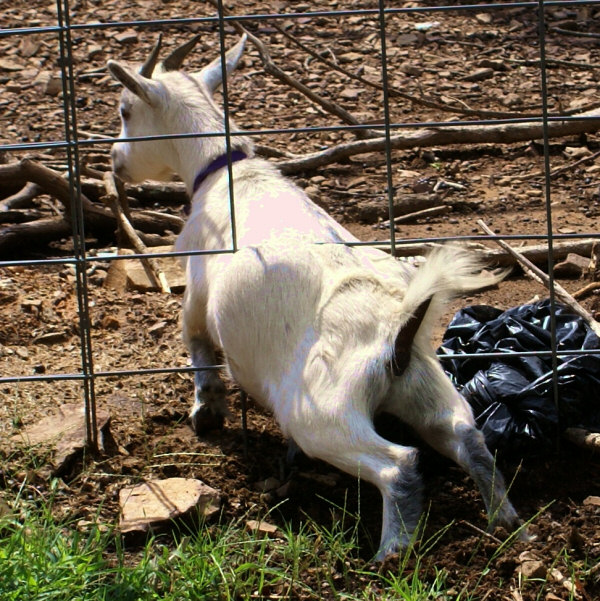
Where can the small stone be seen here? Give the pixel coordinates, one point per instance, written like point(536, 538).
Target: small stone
point(350, 93)
point(9, 65)
point(31, 305)
point(110, 323)
point(93, 51)
point(22, 352)
point(351, 57)
point(410, 69)
point(51, 337)
point(479, 75)
point(262, 527)
point(128, 36)
point(484, 18)
point(54, 86)
point(129, 274)
point(29, 46)
point(63, 433)
point(158, 329)
point(496, 65)
point(530, 566)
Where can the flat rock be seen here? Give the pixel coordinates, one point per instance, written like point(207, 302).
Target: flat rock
point(153, 505)
point(130, 274)
point(64, 434)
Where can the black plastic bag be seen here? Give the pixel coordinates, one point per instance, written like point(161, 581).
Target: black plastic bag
point(512, 396)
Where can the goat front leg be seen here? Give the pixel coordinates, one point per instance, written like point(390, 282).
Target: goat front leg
point(210, 406)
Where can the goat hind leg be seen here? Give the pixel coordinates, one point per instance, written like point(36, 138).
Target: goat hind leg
point(390, 467)
point(452, 432)
point(210, 406)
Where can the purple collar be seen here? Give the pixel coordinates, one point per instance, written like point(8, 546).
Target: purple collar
point(215, 165)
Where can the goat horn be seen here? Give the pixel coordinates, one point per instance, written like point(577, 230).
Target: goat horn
point(148, 67)
point(174, 60)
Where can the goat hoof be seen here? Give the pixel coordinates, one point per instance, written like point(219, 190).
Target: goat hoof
point(204, 420)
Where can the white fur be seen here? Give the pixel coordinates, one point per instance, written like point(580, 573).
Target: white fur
point(309, 330)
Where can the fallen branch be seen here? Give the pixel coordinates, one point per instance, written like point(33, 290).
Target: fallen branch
point(172, 193)
point(536, 253)
point(444, 136)
point(22, 199)
point(538, 275)
point(583, 438)
point(97, 218)
point(114, 198)
point(20, 236)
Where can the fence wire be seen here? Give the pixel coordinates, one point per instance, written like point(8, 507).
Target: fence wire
point(82, 259)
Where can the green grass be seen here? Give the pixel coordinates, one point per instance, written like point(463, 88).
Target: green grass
point(46, 558)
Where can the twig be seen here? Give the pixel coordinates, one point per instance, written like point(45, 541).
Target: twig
point(113, 199)
point(583, 292)
point(579, 34)
point(480, 531)
point(431, 212)
point(553, 62)
point(541, 277)
point(556, 172)
point(395, 92)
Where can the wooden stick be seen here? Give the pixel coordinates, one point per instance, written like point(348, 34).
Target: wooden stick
point(113, 199)
point(583, 292)
point(541, 277)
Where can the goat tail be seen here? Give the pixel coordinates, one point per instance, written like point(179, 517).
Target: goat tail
point(448, 271)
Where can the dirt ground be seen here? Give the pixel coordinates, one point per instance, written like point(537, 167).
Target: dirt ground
point(501, 184)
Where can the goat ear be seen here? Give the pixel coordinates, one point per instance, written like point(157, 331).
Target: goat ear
point(212, 74)
point(139, 85)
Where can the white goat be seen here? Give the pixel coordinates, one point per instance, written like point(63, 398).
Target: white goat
point(324, 335)
point(328, 336)
point(267, 205)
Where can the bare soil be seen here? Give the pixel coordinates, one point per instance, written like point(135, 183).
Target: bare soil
point(131, 330)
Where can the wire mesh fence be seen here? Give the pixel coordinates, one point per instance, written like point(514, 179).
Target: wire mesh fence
point(73, 132)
